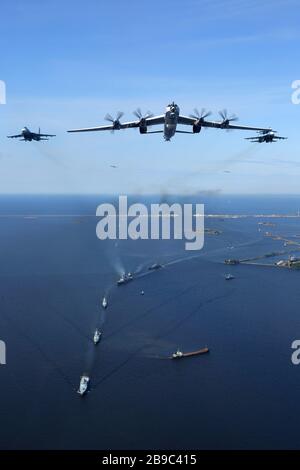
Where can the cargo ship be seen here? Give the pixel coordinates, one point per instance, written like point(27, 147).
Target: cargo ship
point(179, 354)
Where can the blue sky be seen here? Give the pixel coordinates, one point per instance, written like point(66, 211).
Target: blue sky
point(67, 63)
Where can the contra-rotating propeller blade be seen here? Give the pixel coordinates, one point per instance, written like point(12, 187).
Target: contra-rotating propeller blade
point(138, 113)
point(200, 116)
point(227, 119)
point(115, 122)
point(109, 117)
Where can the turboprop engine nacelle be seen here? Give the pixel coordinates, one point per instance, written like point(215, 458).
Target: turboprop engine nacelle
point(196, 128)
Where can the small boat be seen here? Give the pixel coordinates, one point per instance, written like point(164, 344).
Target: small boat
point(83, 385)
point(104, 302)
point(124, 279)
point(97, 336)
point(179, 354)
point(142, 292)
point(228, 277)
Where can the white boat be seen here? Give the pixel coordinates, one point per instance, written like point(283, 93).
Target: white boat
point(83, 385)
point(104, 302)
point(228, 277)
point(97, 336)
point(177, 354)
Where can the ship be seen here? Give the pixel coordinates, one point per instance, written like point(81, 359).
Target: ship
point(154, 266)
point(228, 277)
point(179, 354)
point(97, 336)
point(104, 302)
point(124, 279)
point(83, 385)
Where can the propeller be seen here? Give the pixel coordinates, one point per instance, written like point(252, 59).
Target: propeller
point(116, 122)
point(138, 113)
point(200, 116)
point(227, 119)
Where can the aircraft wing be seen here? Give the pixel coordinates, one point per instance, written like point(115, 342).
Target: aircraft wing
point(151, 121)
point(110, 127)
point(218, 125)
point(243, 128)
point(46, 135)
point(92, 129)
point(14, 136)
point(281, 138)
point(155, 120)
point(188, 121)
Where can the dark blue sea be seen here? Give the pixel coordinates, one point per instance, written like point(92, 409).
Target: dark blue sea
point(54, 272)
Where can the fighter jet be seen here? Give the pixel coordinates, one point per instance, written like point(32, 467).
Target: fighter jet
point(28, 136)
point(266, 136)
point(170, 120)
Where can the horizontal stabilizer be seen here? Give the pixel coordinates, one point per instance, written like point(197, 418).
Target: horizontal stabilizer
point(184, 132)
point(154, 132)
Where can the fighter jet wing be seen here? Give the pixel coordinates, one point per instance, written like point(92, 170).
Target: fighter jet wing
point(281, 138)
point(151, 121)
point(46, 135)
point(14, 136)
point(218, 125)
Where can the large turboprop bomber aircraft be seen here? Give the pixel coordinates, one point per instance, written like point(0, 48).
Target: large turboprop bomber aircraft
point(170, 121)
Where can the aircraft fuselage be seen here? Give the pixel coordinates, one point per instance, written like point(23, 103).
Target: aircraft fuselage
point(28, 135)
point(268, 138)
point(171, 120)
